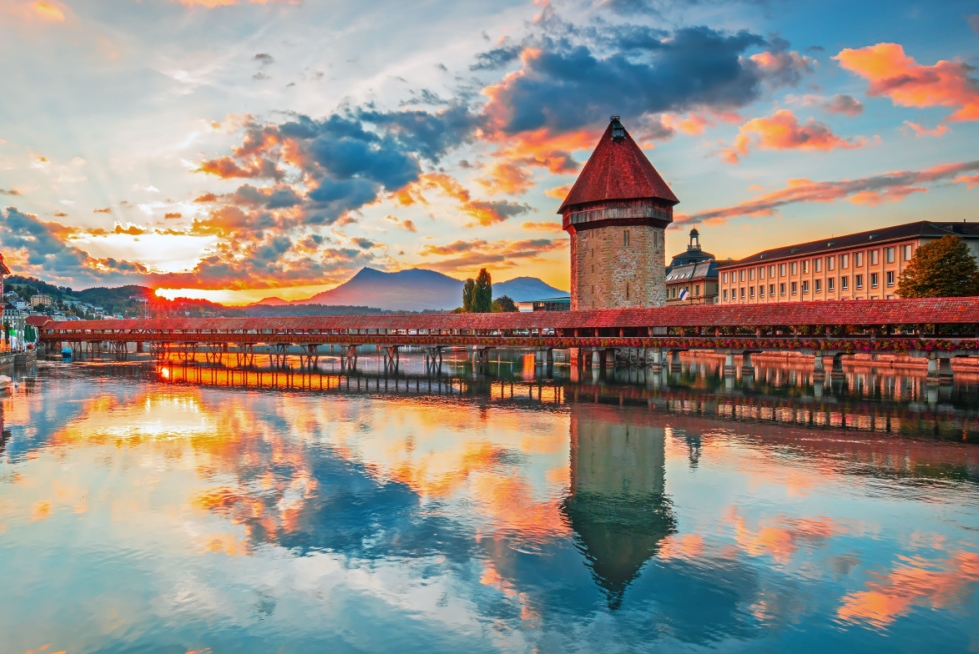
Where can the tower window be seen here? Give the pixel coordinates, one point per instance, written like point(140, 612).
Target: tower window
point(625, 238)
point(627, 288)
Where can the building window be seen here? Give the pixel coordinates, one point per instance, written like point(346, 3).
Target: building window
point(771, 290)
point(795, 287)
point(625, 238)
point(830, 263)
point(761, 291)
point(907, 252)
point(725, 295)
point(817, 265)
point(858, 281)
point(751, 274)
point(742, 292)
point(627, 290)
point(751, 292)
point(819, 286)
point(805, 287)
point(874, 257)
point(830, 285)
point(874, 280)
point(795, 267)
point(858, 259)
point(844, 261)
point(781, 289)
point(890, 278)
point(761, 272)
point(805, 266)
point(844, 283)
point(726, 277)
point(781, 271)
point(889, 252)
point(741, 275)
point(771, 272)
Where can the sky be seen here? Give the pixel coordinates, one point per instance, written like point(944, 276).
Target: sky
point(240, 149)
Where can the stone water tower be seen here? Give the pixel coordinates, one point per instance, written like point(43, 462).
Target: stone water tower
point(617, 213)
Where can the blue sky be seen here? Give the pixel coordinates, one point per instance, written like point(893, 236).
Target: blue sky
point(246, 149)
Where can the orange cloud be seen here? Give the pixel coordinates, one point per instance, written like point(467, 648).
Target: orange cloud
point(920, 130)
point(553, 226)
point(506, 177)
point(782, 131)
point(894, 75)
point(211, 4)
point(913, 582)
point(48, 11)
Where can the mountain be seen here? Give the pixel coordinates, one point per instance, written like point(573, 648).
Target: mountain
point(417, 290)
point(408, 290)
point(524, 289)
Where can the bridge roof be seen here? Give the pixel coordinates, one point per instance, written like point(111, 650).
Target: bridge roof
point(862, 312)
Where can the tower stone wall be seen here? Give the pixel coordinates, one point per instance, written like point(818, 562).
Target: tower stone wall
point(608, 274)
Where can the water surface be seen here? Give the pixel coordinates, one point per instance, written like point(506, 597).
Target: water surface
point(140, 512)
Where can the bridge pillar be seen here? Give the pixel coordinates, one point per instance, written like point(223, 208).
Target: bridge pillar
point(817, 366)
point(596, 359)
point(729, 369)
point(140, 347)
point(746, 366)
point(675, 361)
point(945, 370)
point(837, 372)
point(657, 360)
point(351, 358)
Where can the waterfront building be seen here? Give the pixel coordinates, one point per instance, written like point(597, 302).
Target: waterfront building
point(4, 271)
point(691, 277)
point(616, 214)
point(866, 265)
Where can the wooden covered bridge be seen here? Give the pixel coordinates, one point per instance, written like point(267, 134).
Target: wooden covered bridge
point(938, 329)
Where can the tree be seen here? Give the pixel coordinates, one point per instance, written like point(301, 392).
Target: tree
point(468, 296)
point(942, 268)
point(483, 294)
point(504, 304)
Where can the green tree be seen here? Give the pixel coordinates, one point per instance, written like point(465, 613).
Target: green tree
point(504, 304)
point(483, 294)
point(468, 296)
point(942, 268)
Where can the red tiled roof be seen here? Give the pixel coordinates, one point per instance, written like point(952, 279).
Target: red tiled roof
point(617, 170)
point(862, 312)
point(38, 321)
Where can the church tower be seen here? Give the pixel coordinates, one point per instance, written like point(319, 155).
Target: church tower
point(617, 213)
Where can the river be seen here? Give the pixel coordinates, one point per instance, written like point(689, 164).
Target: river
point(149, 508)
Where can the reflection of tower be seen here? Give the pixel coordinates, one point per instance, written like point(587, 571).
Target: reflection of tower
point(618, 504)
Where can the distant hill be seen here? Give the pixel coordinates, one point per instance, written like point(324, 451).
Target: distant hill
point(417, 290)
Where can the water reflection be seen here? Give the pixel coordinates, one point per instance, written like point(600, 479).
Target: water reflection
point(237, 510)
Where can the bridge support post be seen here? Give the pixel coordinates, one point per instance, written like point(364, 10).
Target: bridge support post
point(945, 375)
point(657, 361)
point(675, 361)
point(746, 366)
point(596, 360)
point(817, 366)
point(837, 372)
point(351, 358)
point(729, 369)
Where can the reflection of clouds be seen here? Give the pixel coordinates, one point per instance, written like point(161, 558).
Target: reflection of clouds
point(914, 581)
point(781, 537)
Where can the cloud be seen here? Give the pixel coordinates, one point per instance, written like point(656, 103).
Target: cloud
point(264, 59)
point(888, 187)
point(11, 191)
point(403, 223)
point(782, 131)
point(212, 4)
point(974, 22)
point(102, 210)
point(172, 215)
point(496, 58)
point(553, 226)
point(465, 256)
point(896, 76)
point(843, 104)
point(920, 130)
point(48, 11)
point(506, 177)
point(488, 212)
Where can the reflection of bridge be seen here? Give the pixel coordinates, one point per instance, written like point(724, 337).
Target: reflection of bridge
point(937, 329)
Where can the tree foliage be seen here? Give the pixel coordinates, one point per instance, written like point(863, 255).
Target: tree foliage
point(468, 296)
point(504, 304)
point(483, 295)
point(942, 268)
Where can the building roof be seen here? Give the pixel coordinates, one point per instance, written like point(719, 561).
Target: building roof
point(4, 270)
point(923, 228)
point(700, 270)
point(617, 170)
